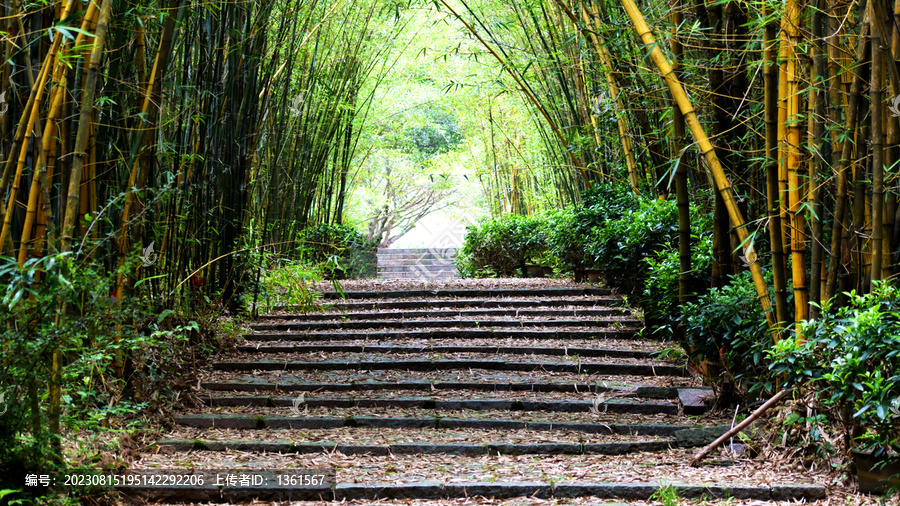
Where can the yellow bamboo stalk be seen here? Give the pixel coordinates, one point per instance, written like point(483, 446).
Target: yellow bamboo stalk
point(783, 196)
point(160, 60)
point(49, 145)
point(84, 121)
point(25, 129)
point(773, 210)
point(88, 203)
point(624, 133)
point(56, 100)
point(715, 167)
point(792, 165)
point(610, 74)
point(140, 58)
point(23, 154)
point(85, 118)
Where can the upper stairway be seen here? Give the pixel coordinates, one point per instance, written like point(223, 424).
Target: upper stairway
point(421, 263)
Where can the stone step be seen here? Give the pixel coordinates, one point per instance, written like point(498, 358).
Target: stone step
point(412, 251)
point(289, 385)
point(462, 489)
point(438, 253)
point(487, 448)
point(380, 335)
point(465, 490)
point(382, 437)
point(558, 406)
point(434, 267)
point(415, 257)
point(416, 263)
point(554, 347)
point(611, 400)
point(455, 364)
point(602, 302)
point(392, 348)
point(414, 260)
point(472, 292)
point(453, 393)
point(592, 312)
point(258, 422)
point(483, 380)
point(416, 267)
point(444, 275)
point(417, 273)
point(422, 323)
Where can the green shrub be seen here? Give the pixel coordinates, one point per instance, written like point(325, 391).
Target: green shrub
point(117, 357)
point(565, 246)
point(606, 201)
point(619, 247)
point(288, 284)
point(599, 231)
point(568, 230)
point(727, 327)
point(850, 359)
point(499, 247)
point(344, 251)
point(660, 295)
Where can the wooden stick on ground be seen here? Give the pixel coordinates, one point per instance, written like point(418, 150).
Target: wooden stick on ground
point(737, 428)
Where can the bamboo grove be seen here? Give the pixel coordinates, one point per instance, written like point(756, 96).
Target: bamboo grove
point(789, 107)
point(204, 131)
point(196, 135)
point(164, 148)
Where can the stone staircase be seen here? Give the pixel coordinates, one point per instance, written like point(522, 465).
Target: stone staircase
point(452, 394)
point(416, 263)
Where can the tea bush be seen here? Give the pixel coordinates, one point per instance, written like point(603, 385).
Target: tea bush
point(850, 360)
point(554, 239)
point(660, 298)
point(727, 328)
point(342, 249)
point(568, 230)
point(565, 245)
point(499, 247)
point(619, 247)
point(606, 201)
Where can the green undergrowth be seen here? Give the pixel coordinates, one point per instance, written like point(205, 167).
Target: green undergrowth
point(847, 370)
point(631, 240)
point(121, 366)
point(339, 251)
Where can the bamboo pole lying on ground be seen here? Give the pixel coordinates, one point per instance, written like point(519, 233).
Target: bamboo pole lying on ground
point(709, 153)
point(737, 428)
